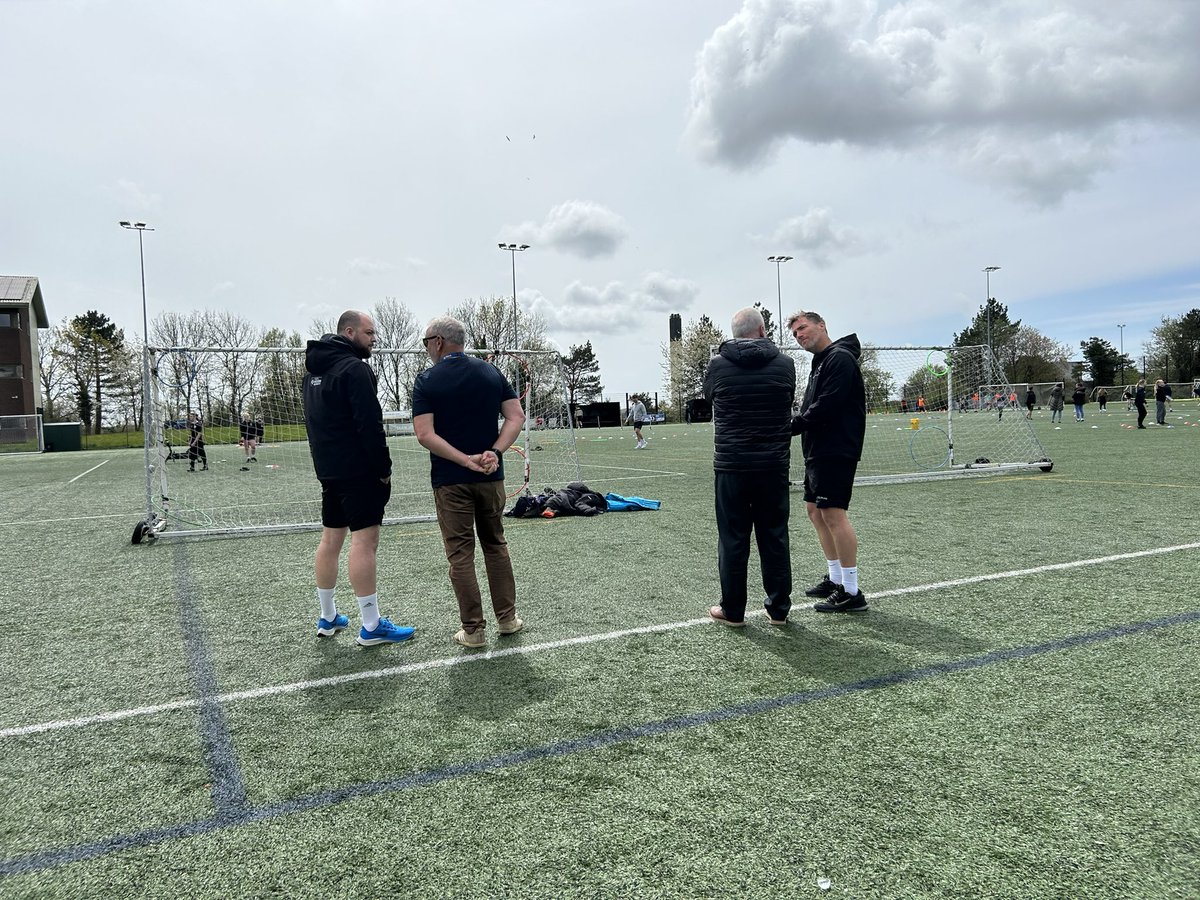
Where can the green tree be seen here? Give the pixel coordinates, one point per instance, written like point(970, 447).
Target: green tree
point(1037, 358)
point(91, 344)
point(582, 374)
point(768, 318)
point(685, 361)
point(280, 398)
point(1003, 331)
point(1103, 360)
point(1174, 347)
point(877, 380)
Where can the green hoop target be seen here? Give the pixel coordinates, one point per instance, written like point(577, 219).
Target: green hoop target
point(937, 368)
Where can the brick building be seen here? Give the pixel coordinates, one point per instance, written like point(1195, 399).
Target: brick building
point(22, 313)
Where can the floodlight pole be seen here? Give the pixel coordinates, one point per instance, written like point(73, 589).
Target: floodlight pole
point(779, 260)
point(1121, 362)
point(987, 274)
point(513, 250)
point(139, 227)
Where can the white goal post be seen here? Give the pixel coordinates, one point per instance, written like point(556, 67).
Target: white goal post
point(254, 473)
point(938, 412)
point(21, 434)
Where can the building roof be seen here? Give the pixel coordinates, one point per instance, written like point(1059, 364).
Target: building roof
point(21, 288)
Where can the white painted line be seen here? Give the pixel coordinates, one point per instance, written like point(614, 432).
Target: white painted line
point(81, 474)
point(448, 662)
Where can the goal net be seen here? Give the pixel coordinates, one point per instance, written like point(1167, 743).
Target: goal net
point(21, 434)
point(937, 412)
point(254, 471)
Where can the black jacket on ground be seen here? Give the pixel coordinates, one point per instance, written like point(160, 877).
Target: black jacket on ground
point(833, 417)
point(751, 386)
point(342, 412)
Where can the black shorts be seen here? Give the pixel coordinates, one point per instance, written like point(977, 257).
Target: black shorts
point(829, 482)
point(637, 426)
point(353, 504)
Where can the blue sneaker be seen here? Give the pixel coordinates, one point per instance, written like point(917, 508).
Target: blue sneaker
point(325, 628)
point(384, 633)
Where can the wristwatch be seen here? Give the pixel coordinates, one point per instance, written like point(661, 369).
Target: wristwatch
point(499, 453)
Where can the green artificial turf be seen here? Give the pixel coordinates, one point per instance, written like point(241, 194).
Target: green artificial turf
point(1071, 772)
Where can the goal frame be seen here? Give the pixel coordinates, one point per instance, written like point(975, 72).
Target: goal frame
point(948, 420)
point(7, 436)
point(158, 524)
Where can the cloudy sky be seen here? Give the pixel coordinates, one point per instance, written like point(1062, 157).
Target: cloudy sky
point(297, 158)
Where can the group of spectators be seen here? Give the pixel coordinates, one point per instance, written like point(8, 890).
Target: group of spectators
point(752, 384)
point(457, 405)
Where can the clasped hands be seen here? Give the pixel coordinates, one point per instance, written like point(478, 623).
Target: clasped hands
point(486, 462)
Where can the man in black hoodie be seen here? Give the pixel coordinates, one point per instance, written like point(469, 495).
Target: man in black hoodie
point(752, 386)
point(832, 423)
point(349, 451)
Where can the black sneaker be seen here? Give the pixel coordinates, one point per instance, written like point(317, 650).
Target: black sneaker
point(824, 589)
point(842, 602)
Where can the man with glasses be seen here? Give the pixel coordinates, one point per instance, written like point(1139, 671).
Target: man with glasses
point(349, 451)
point(832, 424)
point(456, 405)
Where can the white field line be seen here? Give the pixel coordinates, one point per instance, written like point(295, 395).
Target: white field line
point(447, 662)
point(81, 474)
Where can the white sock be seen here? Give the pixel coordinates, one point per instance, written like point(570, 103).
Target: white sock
point(328, 607)
point(835, 571)
point(850, 579)
point(368, 608)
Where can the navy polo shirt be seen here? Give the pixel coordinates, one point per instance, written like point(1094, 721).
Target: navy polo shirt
point(464, 394)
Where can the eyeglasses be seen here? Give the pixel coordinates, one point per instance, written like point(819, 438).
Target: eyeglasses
point(433, 337)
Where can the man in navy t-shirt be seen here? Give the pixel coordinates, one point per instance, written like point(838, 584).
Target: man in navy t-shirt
point(456, 405)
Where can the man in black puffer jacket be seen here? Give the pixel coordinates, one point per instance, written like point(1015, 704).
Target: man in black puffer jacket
point(831, 424)
point(752, 386)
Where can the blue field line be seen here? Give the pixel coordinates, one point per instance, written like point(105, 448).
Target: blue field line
point(245, 815)
point(225, 774)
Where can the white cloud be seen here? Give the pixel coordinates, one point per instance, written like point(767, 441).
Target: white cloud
point(415, 262)
point(222, 288)
point(815, 239)
point(362, 265)
point(660, 292)
point(614, 308)
point(1033, 96)
point(578, 227)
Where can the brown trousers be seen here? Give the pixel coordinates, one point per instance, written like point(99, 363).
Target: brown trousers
point(464, 510)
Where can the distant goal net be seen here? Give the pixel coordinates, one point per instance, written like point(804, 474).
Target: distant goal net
point(21, 434)
point(938, 412)
point(254, 472)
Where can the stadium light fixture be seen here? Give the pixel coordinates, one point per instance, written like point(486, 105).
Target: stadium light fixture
point(1121, 327)
point(139, 227)
point(987, 274)
point(513, 250)
point(779, 260)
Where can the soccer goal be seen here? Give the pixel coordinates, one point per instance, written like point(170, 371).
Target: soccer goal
point(253, 472)
point(21, 434)
point(938, 412)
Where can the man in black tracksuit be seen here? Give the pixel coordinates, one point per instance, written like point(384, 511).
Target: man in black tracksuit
point(349, 451)
point(832, 423)
point(752, 386)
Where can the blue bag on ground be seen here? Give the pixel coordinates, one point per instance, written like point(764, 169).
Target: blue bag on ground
point(617, 503)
